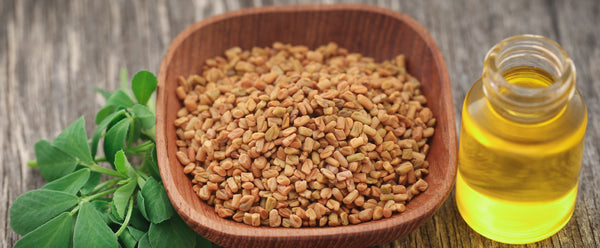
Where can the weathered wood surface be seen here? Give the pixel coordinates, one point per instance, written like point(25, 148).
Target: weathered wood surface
point(53, 53)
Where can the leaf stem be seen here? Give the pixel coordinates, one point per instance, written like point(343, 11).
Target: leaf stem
point(97, 168)
point(100, 159)
point(127, 218)
point(106, 185)
point(136, 150)
point(98, 195)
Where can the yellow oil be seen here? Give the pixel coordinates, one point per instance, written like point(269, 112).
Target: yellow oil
point(517, 182)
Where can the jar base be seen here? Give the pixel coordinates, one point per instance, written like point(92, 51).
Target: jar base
point(513, 222)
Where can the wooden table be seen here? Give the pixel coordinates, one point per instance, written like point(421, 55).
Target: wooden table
point(53, 53)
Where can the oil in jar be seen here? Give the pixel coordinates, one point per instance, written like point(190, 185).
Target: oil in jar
point(521, 144)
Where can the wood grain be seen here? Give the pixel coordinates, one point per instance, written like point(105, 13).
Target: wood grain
point(355, 27)
point(52, 54)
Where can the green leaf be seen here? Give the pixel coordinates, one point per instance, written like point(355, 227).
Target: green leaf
point(172, 233)
point(144, 241)
point(102, 126)
point(106, 94)
point(123, 165)
point(137, 234)
point(138, 221)
point(70, 183)
point(144, 114)
point(153, 165)
point(91, 183)
point(114, 139)
point(104, 112)
point(103, 207)
point(120, 161)
point(157, 204)
point(127, 239)
point(122, 195)
point(201, 242)
point(120, 99)
point(34, 208)
point(113, 215)
point(135, 129)
point(91, 230)
point(54, 233)
point(73, 140)
point(142, 205)
point(143, 85)
point(52, 162)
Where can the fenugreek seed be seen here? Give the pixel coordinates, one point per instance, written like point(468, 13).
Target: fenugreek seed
point(295, 221)
point(189, 168)
point(183, 158)
point(269, 173)
point(260, 162)
point(283, 180)
point(323, 221)
point(357, 129)
point(331, 139)
point(204, 193)
point(332, 161)
point(366, 215)
point(421, 185)
point(288, 131)
point(354, 219)
point(337, 194)
point(304, 131)
point(351, 197)
point(356, 157)
point(334, 220)
point(301, 121)
point(344, 175)
point(246, 202)
point(248, 185)
point(270, 203)
point(279, 111)
point(365, 119)
point(358, 89)
point(310, 213)
point(386, 197)
point(400, 197)
point(404, 168)
point(300, 186)
point(327, 173)
point(428, 132)
point(356, 142)
point(232, 184)
point(288, 140)
point(285, 212)
point(378, 213)
point(327, 152)
point(365, 102)
point(274, 218)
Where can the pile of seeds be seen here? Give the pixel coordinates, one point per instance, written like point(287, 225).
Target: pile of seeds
point(287, 136)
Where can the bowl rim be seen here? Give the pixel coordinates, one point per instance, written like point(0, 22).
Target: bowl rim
point(194, 218)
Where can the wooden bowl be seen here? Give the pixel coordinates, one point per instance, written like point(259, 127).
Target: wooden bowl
point(372, 31)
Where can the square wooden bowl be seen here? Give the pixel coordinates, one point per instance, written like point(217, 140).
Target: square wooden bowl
point(372, 31)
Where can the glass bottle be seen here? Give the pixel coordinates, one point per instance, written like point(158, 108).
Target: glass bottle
point(521, 142)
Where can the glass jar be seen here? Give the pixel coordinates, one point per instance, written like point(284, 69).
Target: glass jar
point(521, 142)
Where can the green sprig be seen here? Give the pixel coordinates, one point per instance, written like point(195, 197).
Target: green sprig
point(129, 208)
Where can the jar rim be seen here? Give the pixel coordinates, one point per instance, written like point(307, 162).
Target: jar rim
point(562, 81)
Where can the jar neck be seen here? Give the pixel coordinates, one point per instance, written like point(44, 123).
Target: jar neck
point(528, 78)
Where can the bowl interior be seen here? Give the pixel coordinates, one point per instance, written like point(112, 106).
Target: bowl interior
point(374, 32)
